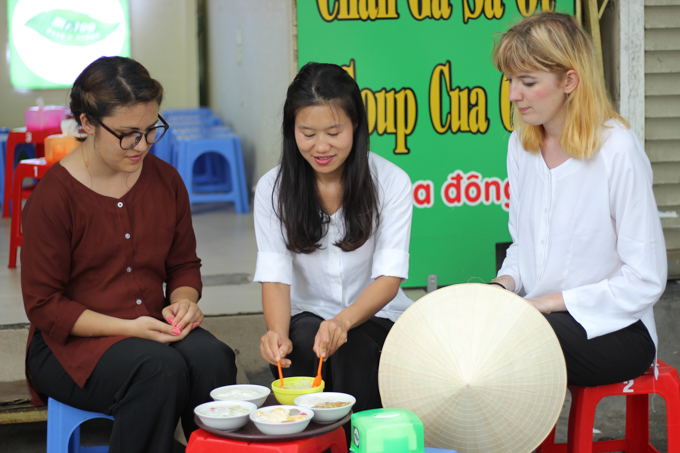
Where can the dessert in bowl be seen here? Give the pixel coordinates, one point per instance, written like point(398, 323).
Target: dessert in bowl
point(225, 415)
point(294, 387)
point(328, 407)
point(282, 419)
point(256, 394)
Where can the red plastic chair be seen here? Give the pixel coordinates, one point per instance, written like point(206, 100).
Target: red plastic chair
point(15, 137)
point(203, 442)
point(582, 415)
point(28, 168)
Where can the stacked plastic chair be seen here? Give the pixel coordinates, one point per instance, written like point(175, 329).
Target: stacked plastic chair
point(207, 155)
point(4, 133)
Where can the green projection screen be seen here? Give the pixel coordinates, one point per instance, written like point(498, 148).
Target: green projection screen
point(436, 108)
point(52, 41)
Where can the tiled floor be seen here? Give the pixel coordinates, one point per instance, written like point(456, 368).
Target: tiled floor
point(226, 244)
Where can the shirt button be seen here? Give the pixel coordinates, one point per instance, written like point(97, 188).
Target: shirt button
point(542, 242)
point(337, 281)
point(139, 301)
point(546, 210)
point(120, 204)
point(129, 269)
point(127, 235)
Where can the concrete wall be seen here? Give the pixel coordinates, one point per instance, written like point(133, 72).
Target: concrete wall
point(163, 39)
point(250, 64)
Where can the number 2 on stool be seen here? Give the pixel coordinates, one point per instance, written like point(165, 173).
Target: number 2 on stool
point(628, 388)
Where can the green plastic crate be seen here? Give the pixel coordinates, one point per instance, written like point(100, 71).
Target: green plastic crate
point(387, 431)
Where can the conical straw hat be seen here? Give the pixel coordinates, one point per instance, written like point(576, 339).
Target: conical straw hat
point(481, 367)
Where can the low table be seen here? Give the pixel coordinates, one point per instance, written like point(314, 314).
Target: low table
point(316, 437)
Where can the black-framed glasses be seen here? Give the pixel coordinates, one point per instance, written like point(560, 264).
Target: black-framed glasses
point(131, 139)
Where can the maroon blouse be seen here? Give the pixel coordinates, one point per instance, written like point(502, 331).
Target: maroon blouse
point(82, 250)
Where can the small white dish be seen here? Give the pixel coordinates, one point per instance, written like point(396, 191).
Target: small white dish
point(255, 394)
point(281, 427)
point(326, 415)
point(216, 414)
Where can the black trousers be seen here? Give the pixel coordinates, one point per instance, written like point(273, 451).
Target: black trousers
point(615, 357)
point(145, 385)
point(352, 369)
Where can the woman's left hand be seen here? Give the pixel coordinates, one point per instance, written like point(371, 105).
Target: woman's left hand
point(548, 303)
point(331, 335)
point(182, 313)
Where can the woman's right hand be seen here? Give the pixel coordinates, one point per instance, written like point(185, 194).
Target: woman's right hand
point(153, 329)
point(274, 347)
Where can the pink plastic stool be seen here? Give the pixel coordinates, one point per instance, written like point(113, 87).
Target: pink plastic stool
point(582, 415)
point(203, 442)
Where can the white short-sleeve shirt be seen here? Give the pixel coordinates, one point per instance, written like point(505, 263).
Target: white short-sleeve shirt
point(328, 280)
point(589, 229)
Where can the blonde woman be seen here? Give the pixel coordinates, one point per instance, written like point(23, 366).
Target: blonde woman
point(588, 249)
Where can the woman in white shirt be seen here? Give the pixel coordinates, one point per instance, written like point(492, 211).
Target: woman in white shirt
point(588, 250)
point(333, 224)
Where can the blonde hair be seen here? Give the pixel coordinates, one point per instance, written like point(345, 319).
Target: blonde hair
point(556, 43)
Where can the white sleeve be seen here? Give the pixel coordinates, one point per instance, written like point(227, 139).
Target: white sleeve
point(274, 260)
point(511, 262)
point(623, 298)
point(394, 230)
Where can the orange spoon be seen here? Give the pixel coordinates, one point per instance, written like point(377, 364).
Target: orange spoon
point(317, 379)
point(278, 363)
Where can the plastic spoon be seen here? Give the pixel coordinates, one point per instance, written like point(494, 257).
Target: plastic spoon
point(278, 363)
point(317, 379)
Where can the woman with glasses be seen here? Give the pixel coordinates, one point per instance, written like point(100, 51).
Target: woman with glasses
point(104, 231)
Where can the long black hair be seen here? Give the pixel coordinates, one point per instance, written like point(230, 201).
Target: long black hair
point(299, 208)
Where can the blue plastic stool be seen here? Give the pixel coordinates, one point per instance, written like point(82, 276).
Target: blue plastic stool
point(233, 188)
point(63, 429)
point(205, 111)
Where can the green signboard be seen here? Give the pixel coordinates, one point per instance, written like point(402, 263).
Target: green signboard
point(436, 108)
point(52, 41)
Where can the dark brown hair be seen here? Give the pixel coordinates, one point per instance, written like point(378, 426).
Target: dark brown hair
point(109, 83)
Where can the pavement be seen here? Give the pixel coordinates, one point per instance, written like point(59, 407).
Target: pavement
point(609, 418)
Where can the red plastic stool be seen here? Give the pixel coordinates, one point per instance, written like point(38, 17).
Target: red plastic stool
point(582, 415)
point(203, 442)
point(15, 137)
point(28, 168)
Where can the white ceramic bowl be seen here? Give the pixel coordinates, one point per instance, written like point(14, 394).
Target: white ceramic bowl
point(326, 415)
point(255, 394)
point(281, 427)
point(209, 413)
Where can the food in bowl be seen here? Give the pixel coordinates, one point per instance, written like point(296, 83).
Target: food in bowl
point(299, 385)
point(281, 415)
point(283, 419)
point(224, 411)
point(331, 404)
point(294, 387)
point(225, 415)
point(256, 394)
point(328, 407)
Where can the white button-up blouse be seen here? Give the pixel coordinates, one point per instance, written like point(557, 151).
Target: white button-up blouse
point(328, 280)
point(590, 229)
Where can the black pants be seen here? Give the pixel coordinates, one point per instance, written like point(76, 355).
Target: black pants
point(616, 357)
point(145, 385)
point(352, 369)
